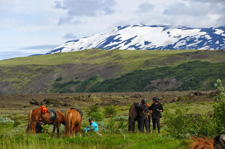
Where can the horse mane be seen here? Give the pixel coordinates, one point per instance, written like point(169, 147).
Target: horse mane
point(80, 111)
point(63, 117)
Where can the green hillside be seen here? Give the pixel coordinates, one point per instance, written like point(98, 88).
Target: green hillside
point(115, 70)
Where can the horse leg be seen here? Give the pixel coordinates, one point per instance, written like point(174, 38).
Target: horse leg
point(79, 128)
point(33, 125)
point(58, 125)
point(54, 125)
point(71, 129)
point(75, 129)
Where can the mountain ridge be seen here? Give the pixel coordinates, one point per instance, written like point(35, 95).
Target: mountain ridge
point(98, 70)
point(149, 37)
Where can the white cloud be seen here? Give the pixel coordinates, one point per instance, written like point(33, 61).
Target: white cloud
point(145, 7)
point(47, 22)
point(91, 8)
point(69, 36)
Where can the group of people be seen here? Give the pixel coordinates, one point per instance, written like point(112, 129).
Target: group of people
point(144, 114)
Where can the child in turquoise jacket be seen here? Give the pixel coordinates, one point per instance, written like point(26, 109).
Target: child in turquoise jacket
point(92, 127)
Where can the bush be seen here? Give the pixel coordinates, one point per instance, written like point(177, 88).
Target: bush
point(102, 126)
point(91, 109)
point(45, 129)
point(183, 125)
point(16, 123)
point(97, 116)
point(110, 111)
point(219, 109)
point(6, 120)
point(180, 124)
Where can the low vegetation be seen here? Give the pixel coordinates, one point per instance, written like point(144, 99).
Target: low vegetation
point(100, 70)
point(181, 120)
point(180, 124)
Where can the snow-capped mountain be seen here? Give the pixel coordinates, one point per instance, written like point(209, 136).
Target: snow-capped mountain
point(144, 37)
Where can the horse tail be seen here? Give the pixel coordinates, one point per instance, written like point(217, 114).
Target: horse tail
point(29, 120)
point(132, 118)
point(68, 122)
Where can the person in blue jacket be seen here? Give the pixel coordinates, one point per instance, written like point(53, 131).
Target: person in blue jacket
point(92, 127)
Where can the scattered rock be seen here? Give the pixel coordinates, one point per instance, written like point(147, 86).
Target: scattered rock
point(34, 102)
point(214, 93)
point(109, 102)
point(197, 93)
point(136, 96)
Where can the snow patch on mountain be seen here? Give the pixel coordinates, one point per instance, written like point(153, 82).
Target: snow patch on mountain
point(143, 37)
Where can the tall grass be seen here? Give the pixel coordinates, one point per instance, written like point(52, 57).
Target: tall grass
point(132, 140)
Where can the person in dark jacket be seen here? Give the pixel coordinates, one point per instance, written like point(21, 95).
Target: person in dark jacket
point(39, 127)
point(156, 108)
point(143, 109)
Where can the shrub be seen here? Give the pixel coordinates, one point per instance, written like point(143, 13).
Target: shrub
point(110, 111)
point(45, 129)
point(102, 126)
point(16, 123)
point(180, 124)
point(97, 116)
point(219, 108)
point(91, 109)
point(183, 125)
point(6, 120)
point(121, 118)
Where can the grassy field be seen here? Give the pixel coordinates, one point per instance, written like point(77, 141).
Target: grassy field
point(93, 56)
point(115, 135)
point(13, 136)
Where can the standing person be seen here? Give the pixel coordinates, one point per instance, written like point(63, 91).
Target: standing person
point(156, 108)
point(143, 113)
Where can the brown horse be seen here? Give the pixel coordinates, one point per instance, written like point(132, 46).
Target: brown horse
point(73, 121)
point(133, 116)
point(204, 143)
point(200, 143)
point(37, 115)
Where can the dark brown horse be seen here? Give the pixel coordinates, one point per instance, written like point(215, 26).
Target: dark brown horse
point(133, 116)
point(37, 115)
point(73, 122)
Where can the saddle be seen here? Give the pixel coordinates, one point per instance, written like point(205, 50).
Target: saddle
point(81, 113)
point(53, 115)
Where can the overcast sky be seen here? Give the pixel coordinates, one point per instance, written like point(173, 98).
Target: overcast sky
point(36, 26)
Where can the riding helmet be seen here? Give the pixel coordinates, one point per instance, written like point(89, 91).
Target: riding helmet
point(143, 101)
point(155, 99)
point(91, 119)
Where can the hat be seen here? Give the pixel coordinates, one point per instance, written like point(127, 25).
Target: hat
point(91, 119)
point(143, 101)
point(155, 99)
